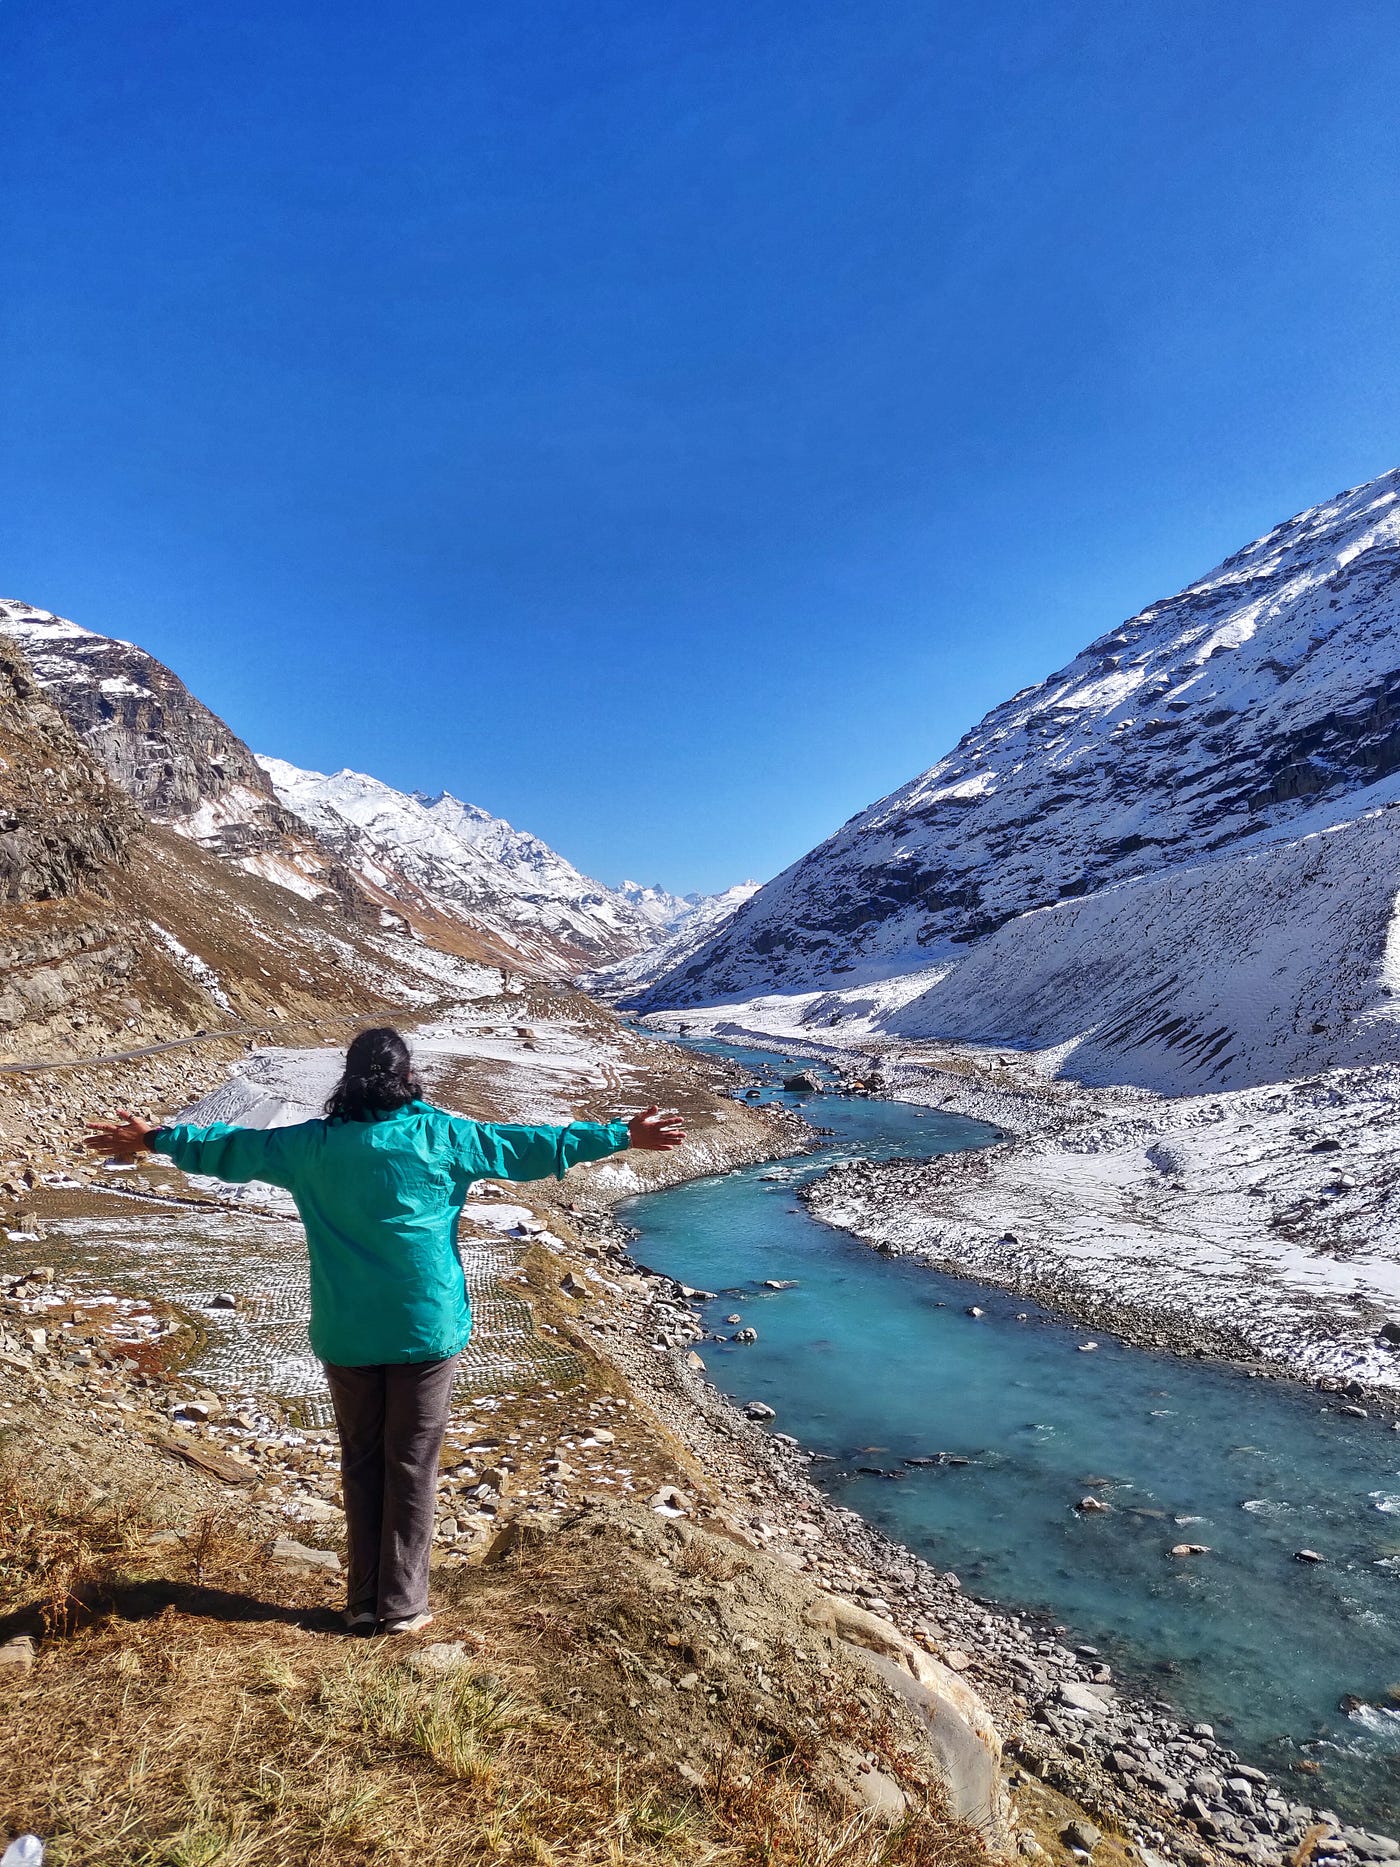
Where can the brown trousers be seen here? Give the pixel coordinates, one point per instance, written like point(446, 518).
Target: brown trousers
point(391, 1420)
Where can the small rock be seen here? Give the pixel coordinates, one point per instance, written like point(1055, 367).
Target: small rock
point(1307, 1555)
point(1083, 1698)
point(745, 1335)
point(734, 1318)
point(1087, 1348)
point(760, 1410)
point(299, 1555)
point(1090, 1504)
point(439, 1656)
point(18, 1652)
point(1082, 1835)
point(670, 1502)
point(973, 1310)
point(223, 1301)
point(1189, 1549)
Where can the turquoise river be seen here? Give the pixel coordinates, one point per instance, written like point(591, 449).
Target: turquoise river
point(870, 1361)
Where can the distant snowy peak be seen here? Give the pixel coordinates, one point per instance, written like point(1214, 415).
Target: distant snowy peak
point(467, 863)
point(703, 916)
point(663, 909)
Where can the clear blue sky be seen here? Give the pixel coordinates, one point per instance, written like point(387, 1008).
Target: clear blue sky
point(671, 425)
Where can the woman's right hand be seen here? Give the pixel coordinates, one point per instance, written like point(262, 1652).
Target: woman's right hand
point(655, 1131)
point(125, 1139)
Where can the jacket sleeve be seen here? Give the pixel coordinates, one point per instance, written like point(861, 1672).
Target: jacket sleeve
point(507, 1151)
point(227, 1152)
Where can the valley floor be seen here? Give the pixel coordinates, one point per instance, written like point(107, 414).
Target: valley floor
point(1258, 1224)
point(660, 1642)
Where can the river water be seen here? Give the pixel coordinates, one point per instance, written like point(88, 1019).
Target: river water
point(871, 1361)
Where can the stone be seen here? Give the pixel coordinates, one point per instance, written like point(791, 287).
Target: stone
point(1087, 1348)
point(973, 1310)
point(17, 1653)
point(1390, 1332)
point(516, 1538)
point(671, 1502)
point(286, 1549)
point(694, 1362)
point(1189, 1549)
point(780, 1283)
point(745, 1335)
point(1082, 1835)
point(1091, 1504)
point(760, 1410)
point(223, 1301)
point(572, 1285)
point(439, 1656)
point(1307, 1555)
point(321, 1510)
point(733, 1319)
point(600, 1436)
point(1083, 1698)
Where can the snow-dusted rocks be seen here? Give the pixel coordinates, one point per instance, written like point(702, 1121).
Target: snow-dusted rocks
point(1172, 863)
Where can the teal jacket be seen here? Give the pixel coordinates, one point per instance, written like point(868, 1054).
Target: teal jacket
point(380, 1201)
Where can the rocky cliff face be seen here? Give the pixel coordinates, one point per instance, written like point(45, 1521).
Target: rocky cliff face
point(1105, 858)
point(178, 760)
point(61, 823)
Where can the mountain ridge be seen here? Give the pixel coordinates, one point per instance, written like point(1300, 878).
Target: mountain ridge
point(1211, 728)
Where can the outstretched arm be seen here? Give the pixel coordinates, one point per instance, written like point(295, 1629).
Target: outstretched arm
point(516, 1151)
point(222, 1150)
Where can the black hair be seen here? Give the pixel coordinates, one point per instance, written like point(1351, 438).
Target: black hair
point(379, 1078)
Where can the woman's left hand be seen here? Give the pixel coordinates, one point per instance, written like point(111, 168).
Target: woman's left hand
point(119, 1140)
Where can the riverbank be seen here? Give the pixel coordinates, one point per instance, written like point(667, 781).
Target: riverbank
point(1257, 1226)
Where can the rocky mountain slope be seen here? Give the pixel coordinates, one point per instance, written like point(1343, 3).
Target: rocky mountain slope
point(115, 932)
point(1173, 862)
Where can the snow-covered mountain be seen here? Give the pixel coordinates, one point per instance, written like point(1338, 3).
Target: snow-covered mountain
point(475, 866)
point(700, 917)
point(1175, 860)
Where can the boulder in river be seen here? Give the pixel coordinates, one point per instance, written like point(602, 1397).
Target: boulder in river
point(760, 1410)
point(1189, 1549)
point(802, 1080)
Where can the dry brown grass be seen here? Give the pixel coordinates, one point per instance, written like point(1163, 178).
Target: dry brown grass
point(184, 1711)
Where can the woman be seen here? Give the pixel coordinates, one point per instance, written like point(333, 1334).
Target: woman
point(379, 1183)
